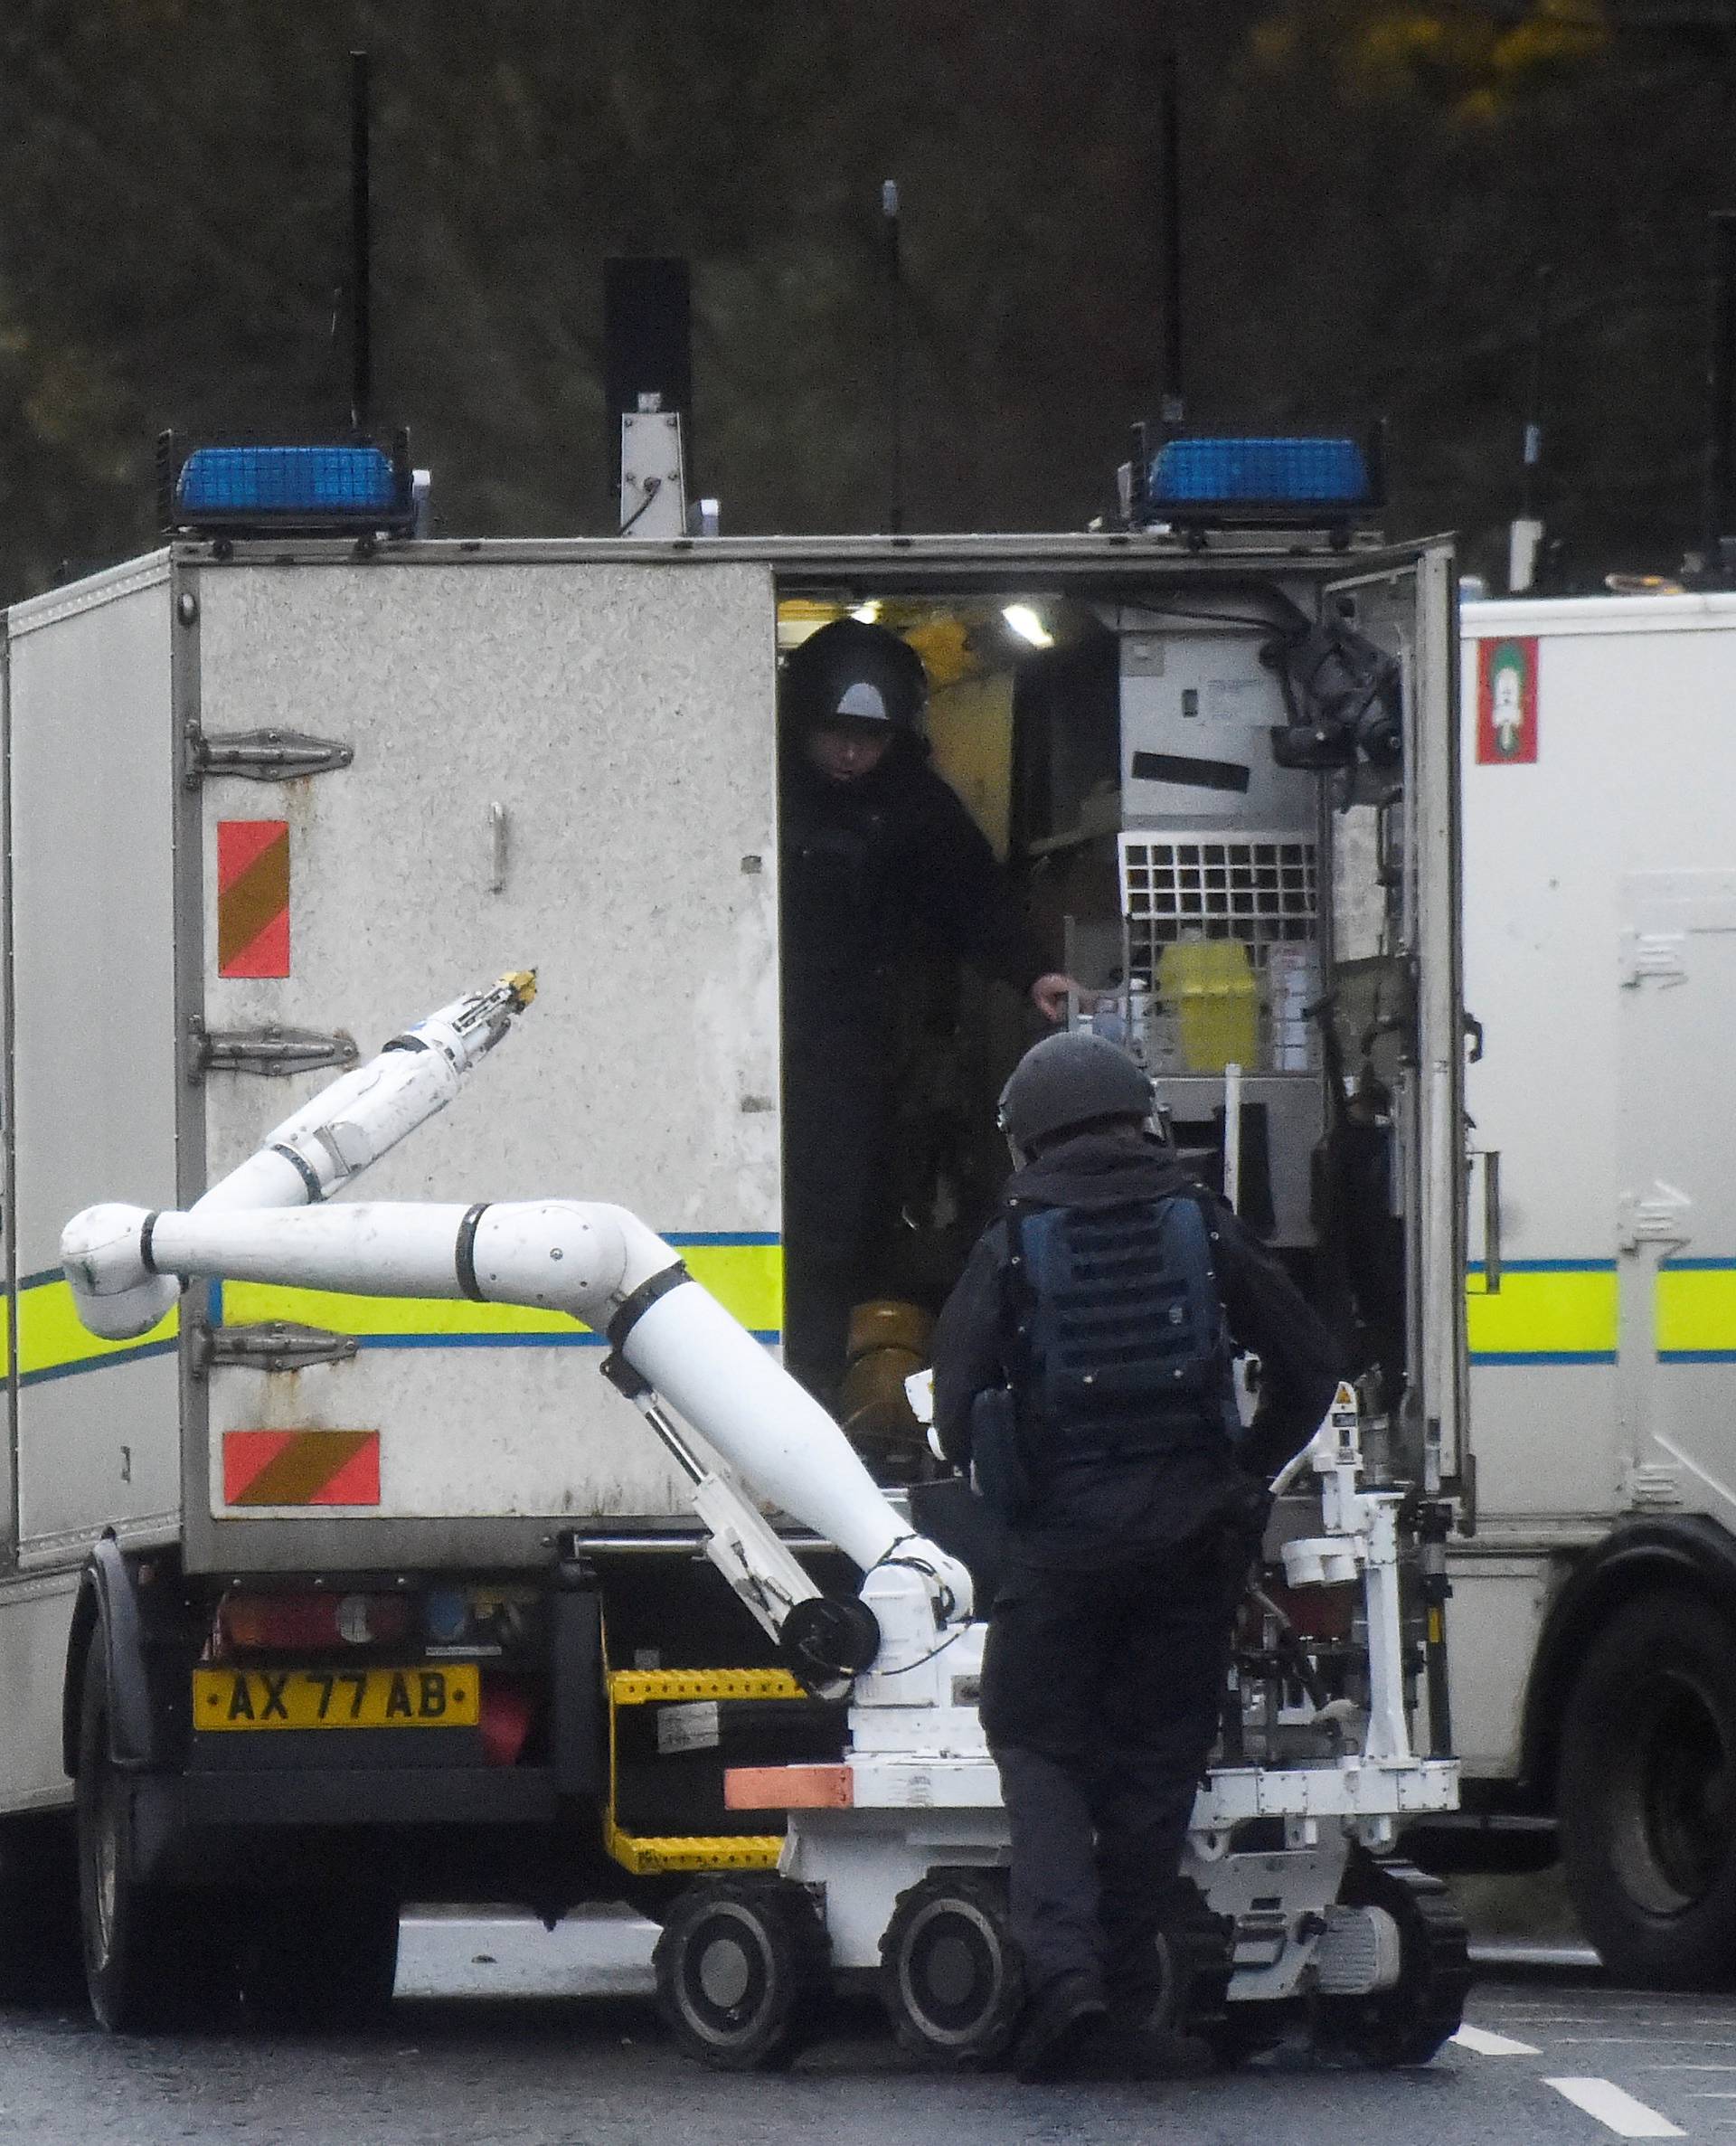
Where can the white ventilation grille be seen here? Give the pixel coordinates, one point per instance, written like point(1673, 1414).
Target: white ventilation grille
point(1258, 894)
point(1261, 890)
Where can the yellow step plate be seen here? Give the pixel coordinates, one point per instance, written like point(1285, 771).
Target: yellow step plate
point(652, 1687)
point(647, 1855)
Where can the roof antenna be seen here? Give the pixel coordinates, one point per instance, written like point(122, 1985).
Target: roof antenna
point(1525, 534)
point(1133, 479)
point(1172, 408)
point(1720, 391)
point(361, 266)
point(895, 351)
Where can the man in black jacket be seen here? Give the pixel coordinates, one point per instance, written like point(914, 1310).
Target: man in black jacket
point(1083, 1375)
point(880, 862)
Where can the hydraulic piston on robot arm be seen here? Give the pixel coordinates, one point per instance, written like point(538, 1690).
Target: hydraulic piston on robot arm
point(675, 1349)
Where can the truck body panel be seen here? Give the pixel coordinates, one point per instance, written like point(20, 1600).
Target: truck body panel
point(93, 1067)
point(1600, 958)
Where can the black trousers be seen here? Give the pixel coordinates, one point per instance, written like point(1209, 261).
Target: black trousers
point(1102, 1699)
point(837, 1125)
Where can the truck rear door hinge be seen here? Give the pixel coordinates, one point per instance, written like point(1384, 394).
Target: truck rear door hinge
point(272, 1051)
point(277, 1345)
point(1656, 1217)
point(1663, 956)
point(1649, 1485)
point(262, 755)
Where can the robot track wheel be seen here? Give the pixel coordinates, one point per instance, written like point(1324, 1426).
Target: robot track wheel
point(743, 1972)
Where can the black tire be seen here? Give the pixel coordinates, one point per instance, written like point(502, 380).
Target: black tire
point(1646, 1796)
point(40, 1958)
point(1408, 2023)
point(951, 1977)
point(743, 1972)
point(153, 1959)
point(318, 1959)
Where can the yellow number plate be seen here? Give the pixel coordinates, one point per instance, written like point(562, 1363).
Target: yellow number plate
point(443, 1698)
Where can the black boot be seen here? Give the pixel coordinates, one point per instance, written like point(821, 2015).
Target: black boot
point(1059, 2027)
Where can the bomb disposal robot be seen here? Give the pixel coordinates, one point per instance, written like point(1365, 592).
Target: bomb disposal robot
point(894, 1854)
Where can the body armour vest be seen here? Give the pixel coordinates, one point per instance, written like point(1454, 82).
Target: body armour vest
point(1121, 1329)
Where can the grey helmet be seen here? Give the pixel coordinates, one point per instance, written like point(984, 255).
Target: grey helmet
point(851, 672)
point(1070, 1079)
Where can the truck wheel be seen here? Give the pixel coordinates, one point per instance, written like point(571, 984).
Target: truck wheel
point(950, 1975)
point(40, 1961)
point(1408, 2023)
point(1647, 1793)
point(319, 1958)
point(152, 1959)
point(743, 1972)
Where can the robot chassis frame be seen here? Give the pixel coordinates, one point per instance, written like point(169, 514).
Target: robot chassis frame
point(894, 1865)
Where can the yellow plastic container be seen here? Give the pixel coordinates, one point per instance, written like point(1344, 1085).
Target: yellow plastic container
point(1212, 986)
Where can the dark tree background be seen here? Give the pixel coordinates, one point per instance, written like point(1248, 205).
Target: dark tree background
point(1371, 188)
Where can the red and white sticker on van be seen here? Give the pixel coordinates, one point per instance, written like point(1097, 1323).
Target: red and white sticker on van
point(1507, 700)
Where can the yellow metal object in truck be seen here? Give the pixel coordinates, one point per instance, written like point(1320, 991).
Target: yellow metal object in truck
point(1210, 984)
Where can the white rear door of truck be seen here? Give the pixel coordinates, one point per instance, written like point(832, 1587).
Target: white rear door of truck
point(567, 765)
point(1599, 740)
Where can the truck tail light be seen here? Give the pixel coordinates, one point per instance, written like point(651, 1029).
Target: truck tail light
point(285, 1623)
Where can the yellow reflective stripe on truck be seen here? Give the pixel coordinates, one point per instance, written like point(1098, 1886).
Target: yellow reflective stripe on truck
point(1566, 1312)
point(51, 1343)
point(1696, 1311)
point(1546, 1311)
point(745, 1274)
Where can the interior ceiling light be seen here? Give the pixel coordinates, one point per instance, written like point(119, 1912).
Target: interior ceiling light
point(1027, 625)
point(867, 612)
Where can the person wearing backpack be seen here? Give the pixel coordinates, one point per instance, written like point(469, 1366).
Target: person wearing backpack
point(1082, 1379)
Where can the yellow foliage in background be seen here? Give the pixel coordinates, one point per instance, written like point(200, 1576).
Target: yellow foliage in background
point(1476, 61)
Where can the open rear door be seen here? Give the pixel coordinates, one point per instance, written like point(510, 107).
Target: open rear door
point(566, 765)
point(1407, 850)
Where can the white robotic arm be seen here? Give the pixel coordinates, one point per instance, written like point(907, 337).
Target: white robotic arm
point(320, 1148)
point(671, 1343)
point(349, 1125)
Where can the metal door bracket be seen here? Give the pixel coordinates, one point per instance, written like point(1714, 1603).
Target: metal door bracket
point(1650, 1484)
point(1656, 1217)
point(279, 1346)
point(262, 756)
point(271, 1051)
point(1660, 955)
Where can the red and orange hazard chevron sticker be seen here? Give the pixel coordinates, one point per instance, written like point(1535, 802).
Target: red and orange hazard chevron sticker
point(301, 1468)
point(252, 897)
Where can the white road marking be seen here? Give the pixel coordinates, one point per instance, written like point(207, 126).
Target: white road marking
point(1643, 2041)
point(1482, 2043)
point(1618, 2111)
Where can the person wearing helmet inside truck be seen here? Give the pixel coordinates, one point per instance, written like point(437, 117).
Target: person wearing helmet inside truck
point(1082, 1374)
point(880, 860)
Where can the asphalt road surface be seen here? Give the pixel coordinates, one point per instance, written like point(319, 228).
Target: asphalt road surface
point(505, 2032)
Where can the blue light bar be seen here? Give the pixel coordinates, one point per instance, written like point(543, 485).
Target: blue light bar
point(290, 484)
point(1279, 474)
